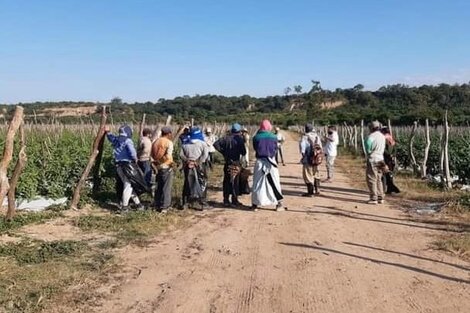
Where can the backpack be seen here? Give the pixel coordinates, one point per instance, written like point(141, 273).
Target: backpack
point(316, 157)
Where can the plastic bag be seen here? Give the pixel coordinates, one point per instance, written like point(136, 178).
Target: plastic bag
point(136, 177)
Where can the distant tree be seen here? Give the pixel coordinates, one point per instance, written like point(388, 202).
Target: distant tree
point(298, 89)
point(287, 91)
point(315, 99)
point(116, 101)
point(358, 87)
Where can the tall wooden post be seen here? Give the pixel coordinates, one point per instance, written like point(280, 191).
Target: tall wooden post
point(363, 143)
point(424, 167)
point(448, 178)
point(97, 167)
point(410, 147)
point(20, 164)
point(91, 161)
point(15, 123)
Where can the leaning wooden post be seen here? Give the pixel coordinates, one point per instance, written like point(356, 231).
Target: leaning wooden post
point(97, 167)
point(94, 153)
point(8, 151)
point(424, 167)
point(20, 164)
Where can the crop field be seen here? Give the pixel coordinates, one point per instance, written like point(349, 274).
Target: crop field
point(459, 150)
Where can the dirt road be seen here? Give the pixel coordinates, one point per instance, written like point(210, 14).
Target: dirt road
point(328, 254)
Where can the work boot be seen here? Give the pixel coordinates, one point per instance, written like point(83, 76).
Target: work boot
point(317, 186)
point(235, 202)
point(309, 191)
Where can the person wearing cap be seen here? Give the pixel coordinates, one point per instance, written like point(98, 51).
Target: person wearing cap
point(331, 151)
point(280, 141)
point(266, 180)
point(162, 155)
point(232, 147)
point(311, 175)
point(246, 139)
point(194, 155)
point(375, 147)
point(129, 178)
point(143, 154)
point(210, 139)
point(184, 137)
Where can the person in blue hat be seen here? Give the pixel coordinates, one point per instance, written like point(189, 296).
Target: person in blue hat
point(130, 181)
point(232, 147)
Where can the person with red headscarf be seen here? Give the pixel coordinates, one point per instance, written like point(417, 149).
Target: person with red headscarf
point(266, 180)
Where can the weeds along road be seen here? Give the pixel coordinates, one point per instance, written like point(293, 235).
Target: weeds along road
point(329, 254)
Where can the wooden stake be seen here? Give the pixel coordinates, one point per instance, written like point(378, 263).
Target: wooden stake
point(91, 161)
point(20, 164)
point(390, 127)
point(448, 178)
point(158, 131)
point(424, 168)
point(363, 143)
point(142, 125)
point(410, 147)
point(15, 123)
point(97, 166)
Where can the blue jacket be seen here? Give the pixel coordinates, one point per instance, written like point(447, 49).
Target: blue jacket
point(232, 147)
point(123, 148)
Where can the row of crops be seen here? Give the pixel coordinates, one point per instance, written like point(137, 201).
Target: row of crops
point(459, 150)
point(458, 146)
point(57, 155)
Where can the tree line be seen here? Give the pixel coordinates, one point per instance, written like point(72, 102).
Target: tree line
point(400, 103)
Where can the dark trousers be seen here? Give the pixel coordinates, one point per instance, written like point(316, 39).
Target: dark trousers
point(279, 155)
point(210, 160)
point(147, 170)
point(389, 185)
point(231, 185)
point(164, 184)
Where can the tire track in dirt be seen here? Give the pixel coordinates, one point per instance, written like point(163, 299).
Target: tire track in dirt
point(327, 254)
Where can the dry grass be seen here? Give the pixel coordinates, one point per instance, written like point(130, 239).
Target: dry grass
point(36, 276)
point(456, 244)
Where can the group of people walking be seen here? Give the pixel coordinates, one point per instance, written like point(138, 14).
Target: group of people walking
point(134, 167)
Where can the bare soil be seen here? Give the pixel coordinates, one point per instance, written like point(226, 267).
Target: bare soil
point(331, 253)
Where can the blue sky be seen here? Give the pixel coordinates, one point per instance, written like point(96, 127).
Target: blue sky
point(144, 50)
